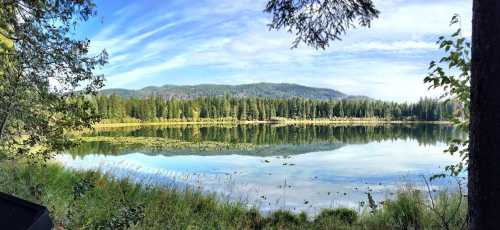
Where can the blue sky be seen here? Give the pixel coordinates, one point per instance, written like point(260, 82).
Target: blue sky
point(227, 42)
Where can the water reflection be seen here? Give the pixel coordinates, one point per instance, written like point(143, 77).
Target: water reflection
point(298, 167)
point(267, 139)
point(263, 134)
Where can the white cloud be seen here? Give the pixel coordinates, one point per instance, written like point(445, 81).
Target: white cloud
point(231, 39)
point(120, 79)
point(401, 46)
point(418, 18)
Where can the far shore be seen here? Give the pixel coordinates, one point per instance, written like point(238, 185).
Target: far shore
point(278, 121)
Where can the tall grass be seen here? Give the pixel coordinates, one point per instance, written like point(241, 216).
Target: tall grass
point(91, 200)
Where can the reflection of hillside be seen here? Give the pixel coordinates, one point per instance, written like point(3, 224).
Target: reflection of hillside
point(262, 150)
point(265, 134)
point(259, 140)
point(289, 149)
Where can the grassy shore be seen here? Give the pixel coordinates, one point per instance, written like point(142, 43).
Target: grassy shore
point(340, 121)
point(90, 200)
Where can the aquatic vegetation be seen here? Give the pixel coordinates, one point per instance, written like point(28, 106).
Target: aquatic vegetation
point(159, 143)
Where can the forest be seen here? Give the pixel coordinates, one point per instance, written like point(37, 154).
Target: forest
point(264, 109)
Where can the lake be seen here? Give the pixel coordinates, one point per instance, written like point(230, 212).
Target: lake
point(293, 167)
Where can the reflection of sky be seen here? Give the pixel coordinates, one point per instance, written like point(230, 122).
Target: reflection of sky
point(308, 181)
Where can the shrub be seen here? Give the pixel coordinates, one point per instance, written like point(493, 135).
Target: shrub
point(344, 215)
point(407, 210)
point(283, 217)
point(341, 218)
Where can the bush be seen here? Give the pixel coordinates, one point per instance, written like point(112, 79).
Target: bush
point(283, 217)
point(406, 210)
point(343, 215)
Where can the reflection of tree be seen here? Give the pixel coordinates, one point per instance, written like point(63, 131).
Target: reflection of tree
point(265, 134)
point(311, 137)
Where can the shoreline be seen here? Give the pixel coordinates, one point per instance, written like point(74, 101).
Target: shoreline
point(282, 122)
point(157, 207)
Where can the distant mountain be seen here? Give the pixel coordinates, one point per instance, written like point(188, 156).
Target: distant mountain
point(270, 90)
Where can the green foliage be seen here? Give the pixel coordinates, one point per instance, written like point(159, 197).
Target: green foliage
point(266, 109)
point(318, 22)
point(407, 210)
point(340, 216)
point(452, 74)
point(127, 217)
point(84, 185)
point(283, 218)
point(450, 211)
point(41, 65)
point(412, 209)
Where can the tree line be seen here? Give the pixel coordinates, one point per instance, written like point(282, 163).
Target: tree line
point(264, 109)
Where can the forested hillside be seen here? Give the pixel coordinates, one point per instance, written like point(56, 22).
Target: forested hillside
point(263, 109)
point(268, 90)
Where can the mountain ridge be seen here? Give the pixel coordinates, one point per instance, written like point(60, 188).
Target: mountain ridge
point(268, 90)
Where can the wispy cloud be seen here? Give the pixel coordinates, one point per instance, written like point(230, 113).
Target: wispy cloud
point(225, 41)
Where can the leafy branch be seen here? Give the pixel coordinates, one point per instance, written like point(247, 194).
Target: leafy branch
point(452, 74)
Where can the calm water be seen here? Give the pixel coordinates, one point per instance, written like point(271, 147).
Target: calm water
point(289, 167)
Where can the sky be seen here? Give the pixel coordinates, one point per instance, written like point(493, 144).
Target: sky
point(179, 42)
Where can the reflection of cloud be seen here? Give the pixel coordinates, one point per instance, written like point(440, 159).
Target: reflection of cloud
point(324, 179)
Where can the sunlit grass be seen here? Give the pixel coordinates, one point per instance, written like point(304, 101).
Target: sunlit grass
point(131, 122)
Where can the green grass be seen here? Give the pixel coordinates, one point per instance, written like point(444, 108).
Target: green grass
point(91, 200)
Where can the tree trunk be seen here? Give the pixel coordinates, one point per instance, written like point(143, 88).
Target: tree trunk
point(484, 159)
